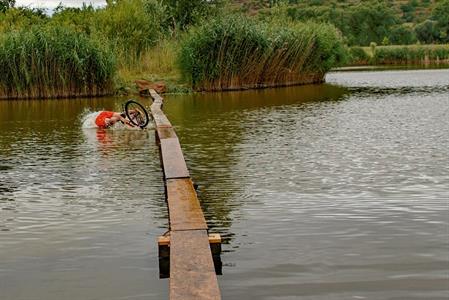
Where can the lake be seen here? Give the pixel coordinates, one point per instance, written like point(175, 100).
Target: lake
point(333, 191)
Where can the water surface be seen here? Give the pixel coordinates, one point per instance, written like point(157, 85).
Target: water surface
point(80, 210)
point(335, 191)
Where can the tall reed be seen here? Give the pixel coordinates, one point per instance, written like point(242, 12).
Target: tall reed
point(415, 54)
point(237, 52)
point(47, 62)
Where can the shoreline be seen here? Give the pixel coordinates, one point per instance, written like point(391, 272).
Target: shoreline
point(173, 88)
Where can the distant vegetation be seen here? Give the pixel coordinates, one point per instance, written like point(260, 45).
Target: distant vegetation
point(362, 22)
point(204, 44)
point(407, 54)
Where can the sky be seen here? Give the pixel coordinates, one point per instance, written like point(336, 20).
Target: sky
point(54, 3)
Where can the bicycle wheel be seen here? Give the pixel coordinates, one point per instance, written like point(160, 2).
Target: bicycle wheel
point(136, 113)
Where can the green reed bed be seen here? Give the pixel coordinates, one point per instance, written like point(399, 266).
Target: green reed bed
point(358, 56)
point(416, 54)
point(400, 55)
point(54, 62)
point(238, 53)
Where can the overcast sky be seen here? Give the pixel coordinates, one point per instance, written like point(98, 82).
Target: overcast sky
point(54, 3)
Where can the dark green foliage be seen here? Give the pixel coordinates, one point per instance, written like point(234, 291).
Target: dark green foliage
point(6, 4)
point(402, 35)
point(183, 13)
point(236, 52)
point(428, 32)
point(53, 62)
point(360, 24)
point(441, 15)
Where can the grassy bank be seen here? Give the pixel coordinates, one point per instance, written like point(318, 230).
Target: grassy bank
point(96, 51)
point(400, 55)
point(54, 62)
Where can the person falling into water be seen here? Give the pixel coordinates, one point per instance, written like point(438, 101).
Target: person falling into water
point(106, 119)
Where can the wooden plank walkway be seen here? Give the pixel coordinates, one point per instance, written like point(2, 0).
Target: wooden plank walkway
point(192, 272)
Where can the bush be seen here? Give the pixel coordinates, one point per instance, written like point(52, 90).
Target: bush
point(53, 62)
point(358, 56)
point(132, 27)
point(236, 52)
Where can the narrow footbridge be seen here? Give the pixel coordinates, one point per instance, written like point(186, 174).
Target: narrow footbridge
point(187, 244)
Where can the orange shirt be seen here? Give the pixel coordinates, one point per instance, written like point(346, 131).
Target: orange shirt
point(101, 118)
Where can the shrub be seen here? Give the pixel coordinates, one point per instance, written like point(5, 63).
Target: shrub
point(132, 27)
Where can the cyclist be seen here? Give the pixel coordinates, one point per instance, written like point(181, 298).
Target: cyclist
point(106, 119)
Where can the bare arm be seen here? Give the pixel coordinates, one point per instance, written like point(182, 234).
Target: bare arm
point(118, 117)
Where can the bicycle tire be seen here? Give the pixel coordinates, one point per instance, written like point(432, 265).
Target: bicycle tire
point(142, 118)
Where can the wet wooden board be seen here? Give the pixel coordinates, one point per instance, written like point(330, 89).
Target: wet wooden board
point(192, 273)
point(173, 159)
point(164, 240)
point(156, 97)
point(159, 118)
point(184, 208)
point(166, 132)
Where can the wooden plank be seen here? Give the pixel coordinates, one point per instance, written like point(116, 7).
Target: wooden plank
point(164, 240)
point(192, 273)
point(173, 159)
point(166, 132)
point(156, 97)
point(184, 208)
point(160, 119)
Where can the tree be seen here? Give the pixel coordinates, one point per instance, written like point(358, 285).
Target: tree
point(6, 4)
point(402, 35)
point(369, 22)
point(440, 14)
point(427, 32)
point(188, 12)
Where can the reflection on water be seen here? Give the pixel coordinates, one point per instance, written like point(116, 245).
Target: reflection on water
point(324, 193)
point(80, 210)
point(335, 191)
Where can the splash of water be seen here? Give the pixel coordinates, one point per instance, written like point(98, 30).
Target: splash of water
point(88, 119)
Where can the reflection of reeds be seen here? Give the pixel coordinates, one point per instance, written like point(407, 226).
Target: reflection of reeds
point(53, 62)
point(236, 53)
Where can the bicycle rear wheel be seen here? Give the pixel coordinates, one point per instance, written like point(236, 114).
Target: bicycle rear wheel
point(136, 113)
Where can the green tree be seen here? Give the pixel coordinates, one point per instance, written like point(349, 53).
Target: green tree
point(441, 15)
point(402, 35)
point(183, 13)
point(6, 4)
point(427, 32)
point(369, 22)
